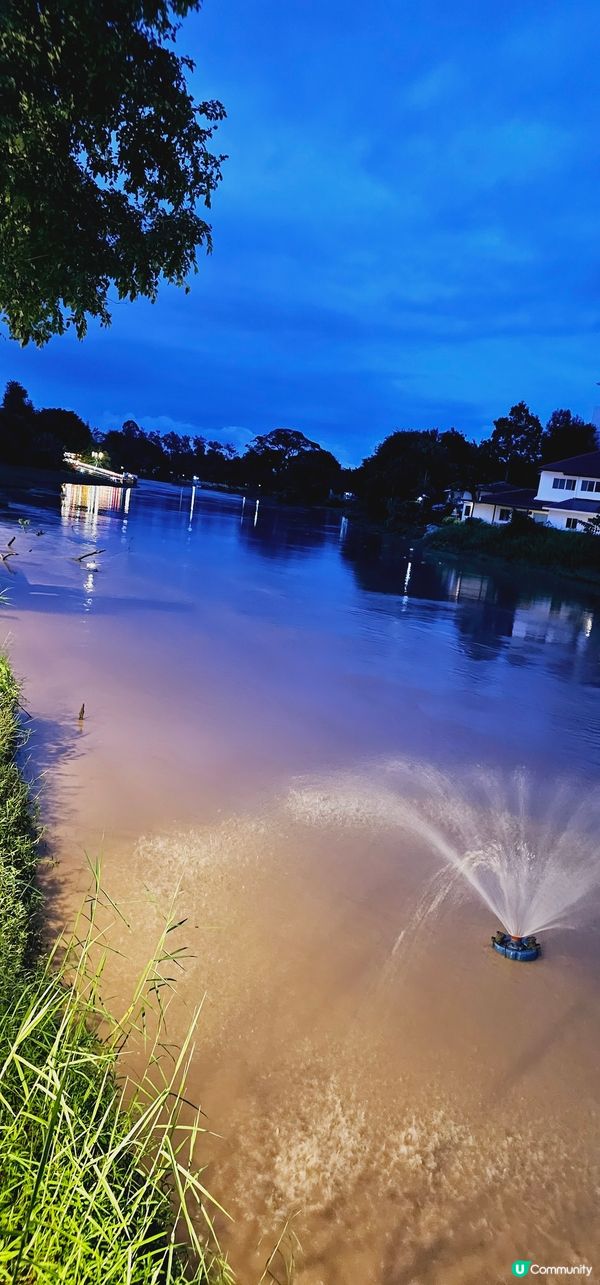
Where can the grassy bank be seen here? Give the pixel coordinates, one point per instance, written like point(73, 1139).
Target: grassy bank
point(99, 1179)
point(565, 552)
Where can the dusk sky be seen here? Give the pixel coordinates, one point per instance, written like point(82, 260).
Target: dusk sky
point(407, 234)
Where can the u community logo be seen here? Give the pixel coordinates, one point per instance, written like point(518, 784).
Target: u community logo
point(527, 1267)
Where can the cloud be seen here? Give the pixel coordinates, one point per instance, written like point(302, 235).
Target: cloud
point(405, 233)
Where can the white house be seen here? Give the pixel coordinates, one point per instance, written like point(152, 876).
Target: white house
point(568, 495)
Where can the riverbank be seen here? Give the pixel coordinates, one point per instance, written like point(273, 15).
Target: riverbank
point(99, 1182)
point(568, 553)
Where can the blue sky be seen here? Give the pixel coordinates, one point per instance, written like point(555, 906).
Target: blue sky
point(407, 234)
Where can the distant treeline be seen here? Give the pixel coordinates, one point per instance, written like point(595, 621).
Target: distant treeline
point(405, 477)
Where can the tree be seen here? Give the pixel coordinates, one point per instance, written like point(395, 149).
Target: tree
point(566, 434)
point(135, 450)
point(516, 444)
point(399, 471)
point(66, 427)
point(104, 159)
point(179, 450)
point(16, 400)
point(16, 424)
point(309, 476)
point(268, 456)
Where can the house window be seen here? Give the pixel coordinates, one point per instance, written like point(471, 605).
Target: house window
point(467, 510)
point(572, 524)
point(504, 515)
point(588, 484)
point(564, 483)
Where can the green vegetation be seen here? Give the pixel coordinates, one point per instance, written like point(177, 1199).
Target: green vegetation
point(99, 1180)
point(105, 159)
point(19, 897)
point(522, 540)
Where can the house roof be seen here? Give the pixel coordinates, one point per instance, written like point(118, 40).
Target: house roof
point(572, 506)
point(511, 496)
point(519, 498)
point(587, 465)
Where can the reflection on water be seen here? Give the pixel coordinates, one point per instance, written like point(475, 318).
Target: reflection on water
point(88, 502)
point(226, 648)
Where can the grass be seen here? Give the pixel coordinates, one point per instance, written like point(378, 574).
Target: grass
point(567, 552)
point(100, 1180)
point(19, 896)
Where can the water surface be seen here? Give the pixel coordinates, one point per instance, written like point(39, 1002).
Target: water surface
point(423, 1115)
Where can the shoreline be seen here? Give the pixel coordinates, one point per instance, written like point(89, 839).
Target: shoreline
point(92, 1183)
point(505, 549)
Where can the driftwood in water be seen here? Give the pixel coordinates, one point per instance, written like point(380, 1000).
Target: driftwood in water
point(90, 554)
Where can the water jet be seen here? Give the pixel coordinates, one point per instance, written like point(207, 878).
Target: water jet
point(528, 850)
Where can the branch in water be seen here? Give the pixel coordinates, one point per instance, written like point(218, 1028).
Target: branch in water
point(91, 554)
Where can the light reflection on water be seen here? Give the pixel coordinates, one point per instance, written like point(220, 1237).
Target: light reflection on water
point(496, 653)
point(225, 647)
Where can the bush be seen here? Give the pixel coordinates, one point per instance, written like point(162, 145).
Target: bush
point(523, 541)
point(19, 837)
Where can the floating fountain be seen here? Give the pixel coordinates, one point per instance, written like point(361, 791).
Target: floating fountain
point(530, 854)
point(524, 949)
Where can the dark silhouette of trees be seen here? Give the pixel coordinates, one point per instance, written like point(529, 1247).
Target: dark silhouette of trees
point(286, 462)
point(516, 445)
point(410, 479)
point(414, 467)
point(16, 423)
point(39, 437)
point(68, 429)
point(105, 159)
point(566, 434)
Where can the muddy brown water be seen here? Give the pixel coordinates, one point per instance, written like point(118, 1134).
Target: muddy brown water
point(421, 1116)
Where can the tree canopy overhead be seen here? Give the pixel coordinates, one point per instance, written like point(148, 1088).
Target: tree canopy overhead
point(104, 159)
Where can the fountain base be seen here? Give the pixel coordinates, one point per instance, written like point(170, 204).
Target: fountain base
point(522, 948)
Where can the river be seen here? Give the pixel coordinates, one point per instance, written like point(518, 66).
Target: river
point(254, 678)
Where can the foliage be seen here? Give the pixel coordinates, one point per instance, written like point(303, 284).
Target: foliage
point(19, 897)
point(105, 157)
point(66, 427)
point(566, 434)
point(39, 437)
point(96, 1175)
point(516, 444)
point(287, 462)
point(523, 541)
point(414, 466)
